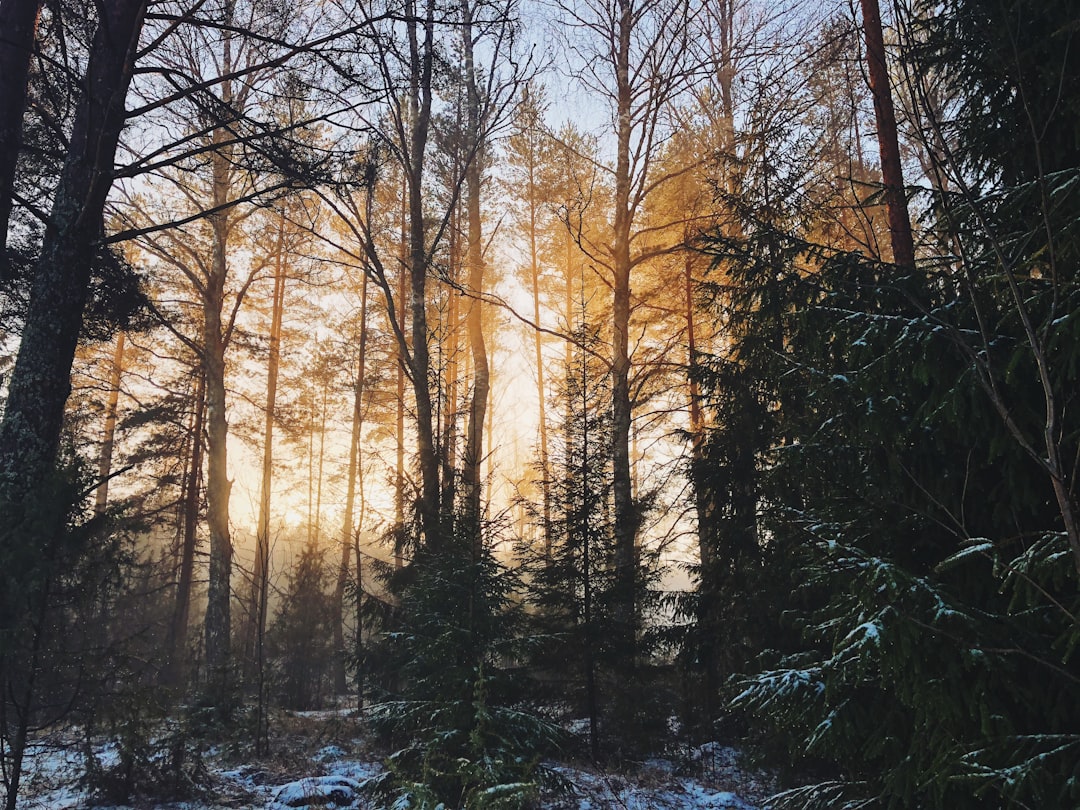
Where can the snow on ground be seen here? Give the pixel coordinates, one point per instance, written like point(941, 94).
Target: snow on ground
point(51, 776)
point(660, 784)
point(707, 777)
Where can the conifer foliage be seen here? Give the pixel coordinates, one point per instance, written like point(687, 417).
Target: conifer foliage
point(914, 466)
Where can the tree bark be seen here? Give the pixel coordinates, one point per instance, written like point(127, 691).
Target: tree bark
point(626, 522)
point(340, 681)
point(101, 499)
point(218, 621)
point(420, 97)
point(260, 579)
point(18, 24)
point(41, 380)
point(399, 471)
point(218, 485)
point(903, 247)
point(190, 515)
point(474, 445)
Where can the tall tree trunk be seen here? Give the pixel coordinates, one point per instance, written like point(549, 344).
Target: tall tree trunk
point(903, 247)
point(358, 641)
point(190, 513)
point(399, 473)
point(626, 522)
point(260, 579)
point(474, 445)
point(420, 96)
point(18, 24)
point(534, 274)
point(218, 486)
point(451, 342)
point(340, 682)
point(101, 499)
point(41, 380)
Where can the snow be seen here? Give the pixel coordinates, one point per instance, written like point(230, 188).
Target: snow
point(706, 777)
point(603, 791)
point(51, 777)
point(336, 791)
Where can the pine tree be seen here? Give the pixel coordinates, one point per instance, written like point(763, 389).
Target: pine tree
point(910, 474)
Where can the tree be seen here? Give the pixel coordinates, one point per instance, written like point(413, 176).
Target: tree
point(530, 153)
point(635, 55)
point(30, 431)
point(903, 247)
point(906, 408)
point(18, 21)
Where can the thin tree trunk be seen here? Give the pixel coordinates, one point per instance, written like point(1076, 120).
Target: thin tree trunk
point(261, 574)
point(420, 118)
point(626, 523)
point(903, 247)
point(101, 499)
point(452, 368)
point(534, 273)
point(474, 445)
point(347, 531)
point(399, 474)
point(192, 497)
point(358, 642)
point(17, 749)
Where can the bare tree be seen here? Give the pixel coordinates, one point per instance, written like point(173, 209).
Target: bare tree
point(636, 55)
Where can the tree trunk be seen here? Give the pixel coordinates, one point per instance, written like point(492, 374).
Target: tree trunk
point(41, 380)
point(192, 497)
point(101, 499)
point(340, 682)
point(451, 344)
point(399, 472)
point(218, 624)
point(260, 579)
point(18, 24)
point(534, 273)
point(420, 119)
point(218, 485)
point(626, 523)
point(903, 247)
point(474, 445)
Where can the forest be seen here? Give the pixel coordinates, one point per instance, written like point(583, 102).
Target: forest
point(525, 392)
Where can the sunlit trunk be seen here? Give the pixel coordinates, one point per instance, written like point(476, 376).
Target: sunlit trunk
point(903, 247)
point(420, 97)
point(218, 485)
point(101, 498)
point(399, 475)
point(347, 527)
point(192, 493)
point(474, 444)
point(626, 523)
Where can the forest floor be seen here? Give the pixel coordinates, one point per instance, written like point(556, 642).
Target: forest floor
point(322, 760)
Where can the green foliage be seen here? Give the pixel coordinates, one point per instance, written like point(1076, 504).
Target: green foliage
point(65, 579)
point(466, 743)
point(150, 756)
point(577, 653)
point(899, 428)
point(300, 640)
